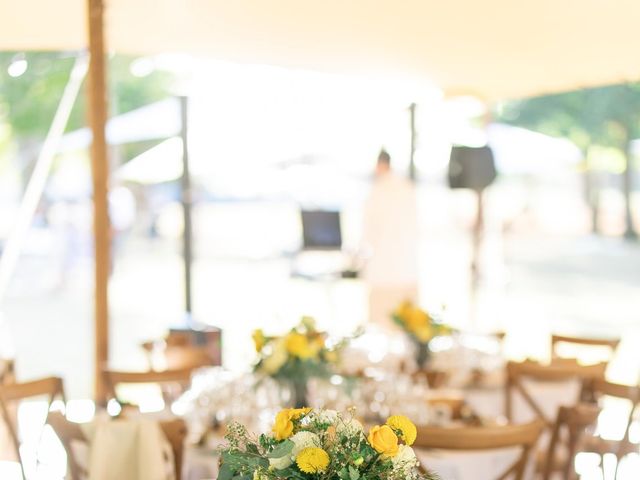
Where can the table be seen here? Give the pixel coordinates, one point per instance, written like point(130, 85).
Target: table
point(129, 449)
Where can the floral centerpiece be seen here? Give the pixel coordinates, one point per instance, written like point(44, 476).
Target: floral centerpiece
point(322, 444)
point(294, 358)
point(421, 328)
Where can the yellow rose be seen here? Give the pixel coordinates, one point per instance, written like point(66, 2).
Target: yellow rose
point(417, 319)
point(423, 334)
point(403, 308)
point(298, 346)
point(283, 426)
point(272, 363)
point(258, 339)
point(313, 460)
point(383, 440)
point(407, 429)
point(296, 413)
point(317, 343)
point(331, 356)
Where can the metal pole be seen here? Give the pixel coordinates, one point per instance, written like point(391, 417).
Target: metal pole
point(412, 124)
point(187, 203)
point(627, 185)
point(97, 109)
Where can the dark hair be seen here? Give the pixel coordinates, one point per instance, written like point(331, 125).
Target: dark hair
point(384, 158)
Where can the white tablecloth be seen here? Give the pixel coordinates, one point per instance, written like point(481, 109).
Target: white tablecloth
point(467, 465)
point(128, 450)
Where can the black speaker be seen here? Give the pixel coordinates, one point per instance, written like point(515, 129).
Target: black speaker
point(471, 167)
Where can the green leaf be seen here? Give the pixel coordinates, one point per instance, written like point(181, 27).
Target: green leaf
point(237, 459)
point(226, 473)
point(281, 450)
point(291, 473)
point(354, 474)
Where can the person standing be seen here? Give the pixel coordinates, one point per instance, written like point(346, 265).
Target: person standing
point(390, 233)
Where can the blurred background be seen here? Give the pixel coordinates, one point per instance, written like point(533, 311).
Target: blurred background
point(558, 236)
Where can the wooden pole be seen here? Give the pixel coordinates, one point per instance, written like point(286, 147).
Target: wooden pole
point(97, 110)
point(187, 203)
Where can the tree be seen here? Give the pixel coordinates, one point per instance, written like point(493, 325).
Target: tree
point(29, 101)
point(606, 116)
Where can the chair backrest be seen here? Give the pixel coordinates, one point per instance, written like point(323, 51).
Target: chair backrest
point(519, 372)
point(609, 343)
point(112, 379)
point(180, 357)
point(176, 433)
point(68, 433)
point(595, 388)
point(50, 387)
point(485, 438)
point(574, 421)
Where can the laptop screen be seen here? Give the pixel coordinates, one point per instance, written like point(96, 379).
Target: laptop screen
point(321, 230)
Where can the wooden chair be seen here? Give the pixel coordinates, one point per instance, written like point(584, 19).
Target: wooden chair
point(595, 389)
point(573, 422)
point(68, 432)
point(176, 433)
point(186, 349)
point(11, 394)
point(164, 379)
point(518, 373)
point(607, 343)
point(485, 438)
point(7, 371)
point(434, 378)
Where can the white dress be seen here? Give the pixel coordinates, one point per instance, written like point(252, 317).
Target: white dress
point(390, 231)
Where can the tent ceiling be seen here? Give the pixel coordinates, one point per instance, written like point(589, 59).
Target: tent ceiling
point(491, 48)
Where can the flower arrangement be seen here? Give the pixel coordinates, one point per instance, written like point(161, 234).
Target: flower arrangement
point(323, 444)
point(294, 358)
point(421, 328)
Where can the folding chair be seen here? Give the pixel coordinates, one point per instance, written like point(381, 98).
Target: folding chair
point(10, 394)
point(485, 438)
point(165, 379)
point(519, 373)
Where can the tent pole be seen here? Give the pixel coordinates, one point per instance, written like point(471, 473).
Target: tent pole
point(187, 203)
point(97, 110)
point(412, 125)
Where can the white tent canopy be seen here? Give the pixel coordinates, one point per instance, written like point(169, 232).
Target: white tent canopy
point(491, 48)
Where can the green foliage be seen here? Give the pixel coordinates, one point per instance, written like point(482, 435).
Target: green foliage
point(299, 355)
point(28, 102)
point(350, 455)
point(606, 116)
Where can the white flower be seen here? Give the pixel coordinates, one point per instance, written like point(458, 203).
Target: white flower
point(301, 440)
point(327, 416)
point(349, 427)
point(405, 459)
